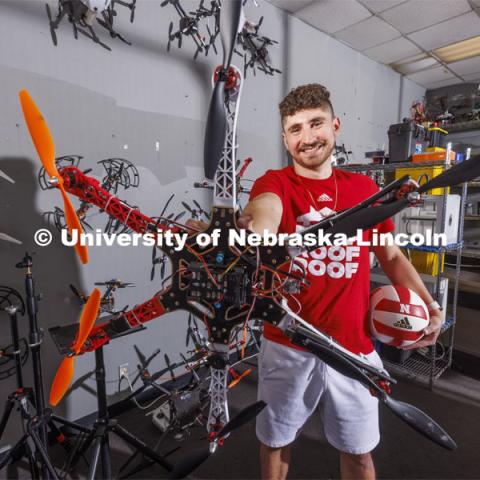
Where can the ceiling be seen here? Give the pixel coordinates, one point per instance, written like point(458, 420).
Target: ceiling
point(399, 33)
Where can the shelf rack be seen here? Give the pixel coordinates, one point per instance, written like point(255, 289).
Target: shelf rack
point(429, 367)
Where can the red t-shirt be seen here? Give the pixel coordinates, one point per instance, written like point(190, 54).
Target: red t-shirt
point(337, 301)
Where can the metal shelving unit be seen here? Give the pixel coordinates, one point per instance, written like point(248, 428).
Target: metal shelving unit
point(429, 365)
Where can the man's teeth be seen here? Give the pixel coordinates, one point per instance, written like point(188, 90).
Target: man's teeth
point(309, 149)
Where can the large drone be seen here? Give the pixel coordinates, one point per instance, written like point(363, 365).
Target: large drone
point(226, 285)
point(82, 15)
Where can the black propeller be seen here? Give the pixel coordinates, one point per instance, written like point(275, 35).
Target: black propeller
point(132, 10)
point(216, 128)
point(170, 38)
point(369, 217)
point(414, 417)
point(52, 28)
point(197, 457)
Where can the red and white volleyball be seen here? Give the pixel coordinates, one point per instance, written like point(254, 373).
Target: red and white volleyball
point(397, 315)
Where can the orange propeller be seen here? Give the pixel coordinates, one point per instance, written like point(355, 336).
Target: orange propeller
point(65, 372)
point(43, 141)
point(237, 377)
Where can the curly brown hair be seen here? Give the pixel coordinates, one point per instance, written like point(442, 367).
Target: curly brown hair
point(304, 97)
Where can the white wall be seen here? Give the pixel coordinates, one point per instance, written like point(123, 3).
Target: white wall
point(98, 102)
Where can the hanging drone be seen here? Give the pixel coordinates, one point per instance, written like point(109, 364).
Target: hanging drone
point(253, 44)
point(189, 26)
point(119, 172)
point(225, 285)
point(82, 15)
point(256, 47)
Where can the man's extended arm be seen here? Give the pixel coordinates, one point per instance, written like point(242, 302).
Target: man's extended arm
point(264, 212)
point(401, 272)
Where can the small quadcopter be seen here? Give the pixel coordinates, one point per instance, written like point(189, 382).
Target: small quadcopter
point(107, 301)
point(82, 15)
point(189, 25)
point(256, 47)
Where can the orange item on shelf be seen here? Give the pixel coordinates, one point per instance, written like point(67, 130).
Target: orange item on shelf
point(432, 157)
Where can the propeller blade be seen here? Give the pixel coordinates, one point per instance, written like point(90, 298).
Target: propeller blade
point(185, 205)
point(366, 218)
point(62, 380)
point(421, 422)
point(165, 207)
point(152, 273)
point(73, 223)
point(238, 379)
point(230, 15)
point(132, 12)
point(87, 319)
point(75, 291)
point(162, 271)
point(247, 414)
point(41, 136)
point(414, 417)
point(65, 372)
point(179, 216)
point(190, 463)
point(338, 362)
point(216, 129)
point(459, 173)
point(43, 141)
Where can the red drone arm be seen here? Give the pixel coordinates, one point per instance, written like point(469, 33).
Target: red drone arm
point(102, 334)
point(90, 191)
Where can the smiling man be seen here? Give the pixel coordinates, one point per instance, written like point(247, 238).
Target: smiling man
point(293, 382)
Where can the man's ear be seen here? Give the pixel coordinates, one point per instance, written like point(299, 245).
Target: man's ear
point(284, 138)
point(336, 125)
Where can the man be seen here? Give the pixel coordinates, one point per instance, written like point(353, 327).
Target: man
point(293, 382)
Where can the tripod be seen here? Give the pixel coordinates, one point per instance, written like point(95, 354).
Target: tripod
point(104, 425)
point(21, 397)
point(63, 336)
point(34, 441)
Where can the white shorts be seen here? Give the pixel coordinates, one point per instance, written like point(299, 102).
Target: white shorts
point(294, 383)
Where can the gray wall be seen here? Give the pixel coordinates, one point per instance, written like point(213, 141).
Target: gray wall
point(102, 104)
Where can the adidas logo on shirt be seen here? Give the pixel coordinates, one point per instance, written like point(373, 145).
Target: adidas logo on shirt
point(403, 323)
point(324, 198)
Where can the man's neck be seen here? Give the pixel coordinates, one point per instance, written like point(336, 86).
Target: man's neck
point(321, 172)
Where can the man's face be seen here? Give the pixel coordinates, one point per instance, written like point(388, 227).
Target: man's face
point(309, 136)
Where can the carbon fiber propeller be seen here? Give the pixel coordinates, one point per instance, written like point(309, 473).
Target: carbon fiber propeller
point(369, 217)
point(216, 128)
point(197, 457)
